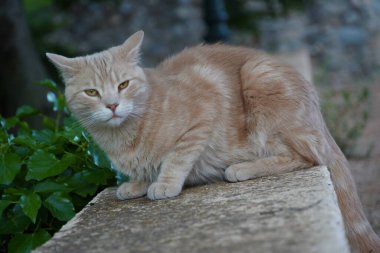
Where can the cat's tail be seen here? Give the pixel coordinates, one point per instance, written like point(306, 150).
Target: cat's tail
point(358, 230)
point(320, 148)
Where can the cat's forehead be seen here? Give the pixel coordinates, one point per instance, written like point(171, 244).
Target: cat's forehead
point(101, 61)
point(85, 70)
point(105, 68)
point(107, 60)
point(100, 68)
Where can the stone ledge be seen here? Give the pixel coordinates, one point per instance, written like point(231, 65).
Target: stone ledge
point(294, 212)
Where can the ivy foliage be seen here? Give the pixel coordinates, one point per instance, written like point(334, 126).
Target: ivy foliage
point(46, 175)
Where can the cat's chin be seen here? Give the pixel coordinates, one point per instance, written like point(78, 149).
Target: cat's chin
point(115, 121)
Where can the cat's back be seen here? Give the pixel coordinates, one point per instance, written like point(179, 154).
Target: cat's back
point(224, 57)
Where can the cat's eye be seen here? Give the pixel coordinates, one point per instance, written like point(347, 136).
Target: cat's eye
point(92, 92)
point(123, 85)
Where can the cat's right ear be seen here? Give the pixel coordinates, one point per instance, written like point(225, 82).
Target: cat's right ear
point(131, 47)
point(67, 66)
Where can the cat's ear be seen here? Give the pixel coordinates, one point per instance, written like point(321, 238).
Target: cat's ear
point(131, 47)
point(67, 66)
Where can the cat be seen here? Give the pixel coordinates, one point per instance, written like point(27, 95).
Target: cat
point(209, 113)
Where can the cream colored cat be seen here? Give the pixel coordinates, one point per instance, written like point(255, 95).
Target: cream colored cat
point(209, 113)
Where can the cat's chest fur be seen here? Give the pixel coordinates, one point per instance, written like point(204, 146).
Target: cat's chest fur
point(139, 165)
point(136, 161)
point(142, 162)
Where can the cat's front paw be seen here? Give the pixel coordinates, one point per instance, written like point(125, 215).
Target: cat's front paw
point(131, 190)
point(235, 174)
point(163, 190)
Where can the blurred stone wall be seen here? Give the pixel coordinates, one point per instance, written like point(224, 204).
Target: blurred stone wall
point(169, 26)
point(345, 36)
point(342, 36)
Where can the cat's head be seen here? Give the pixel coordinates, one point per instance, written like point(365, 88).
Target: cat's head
point(105, 89)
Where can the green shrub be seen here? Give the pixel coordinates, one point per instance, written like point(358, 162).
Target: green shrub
point(46, 175)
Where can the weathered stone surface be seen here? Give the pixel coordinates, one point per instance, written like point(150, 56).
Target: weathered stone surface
point(295, 212)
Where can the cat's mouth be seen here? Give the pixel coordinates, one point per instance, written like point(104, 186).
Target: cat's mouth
point(114, 117)
point(115, 120)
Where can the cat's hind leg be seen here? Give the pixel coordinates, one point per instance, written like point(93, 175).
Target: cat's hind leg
point(132, 190)
point(263, 167)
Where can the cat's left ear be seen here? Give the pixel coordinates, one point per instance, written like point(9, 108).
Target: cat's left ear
point(131, 47)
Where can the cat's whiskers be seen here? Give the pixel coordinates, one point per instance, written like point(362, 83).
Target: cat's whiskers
point(88, 120)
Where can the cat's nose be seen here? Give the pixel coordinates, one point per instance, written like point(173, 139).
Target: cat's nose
point(112, 107)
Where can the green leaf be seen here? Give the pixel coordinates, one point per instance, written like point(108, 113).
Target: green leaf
point(50, 84)
point(50, 186)
point(68, 159)
point(11, 122)
point(61, 102)
point(98, 176)
point(100, 159)
point(49, 123)
point(26, 111)
point(25, 140)
point(86, 190)
point(33, 6)
point(22, 151)
point(30, 204)
point(43, 164)
point(3, 136)
point(14, 222)
point(60, 206)
point(45, 136)
point(10, 165)
point(14, 191)
point(24, 128)
point(72, 130)
point(40, 237)
point(4, 204)
point(21, 243)
point(24, 243)
point(80, 186)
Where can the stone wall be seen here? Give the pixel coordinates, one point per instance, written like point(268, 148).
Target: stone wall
point(291, 213)
point(342, 36)
point(169, 26)
point(345, 35)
